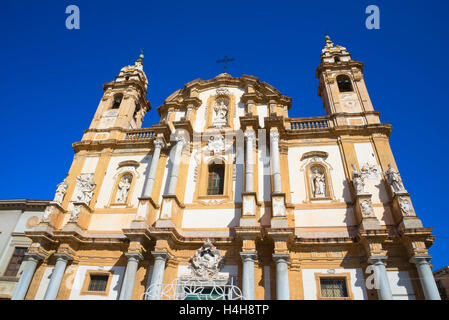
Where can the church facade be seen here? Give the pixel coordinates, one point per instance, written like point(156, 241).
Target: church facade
point(227, 197)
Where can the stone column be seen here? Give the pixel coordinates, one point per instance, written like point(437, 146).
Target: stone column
point(148, 188)
point(56, 277)
point(158, 274)
point(282, 284)
point(176, 162)
point(275, 160)
point(249, 160)
point(248, 274)
point(381, 279)
point(30, 264)
point(130, 275)
point(426, 277)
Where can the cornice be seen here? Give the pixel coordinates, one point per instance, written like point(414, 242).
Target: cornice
point(23, 204)
point(338, 66)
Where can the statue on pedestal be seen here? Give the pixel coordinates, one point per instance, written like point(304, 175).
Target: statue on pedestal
point(60, 192)
point(358, 181)
point(394, 179)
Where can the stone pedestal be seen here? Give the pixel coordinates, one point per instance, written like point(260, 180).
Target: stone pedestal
point(51, 214)
point(81, 219)
point(146, 210)
point(170, 211)
point(364, 212)
point(250, 210)
point(279, 211)
point(404, 213)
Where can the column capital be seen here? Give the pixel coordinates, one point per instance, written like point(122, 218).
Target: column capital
point(377, 259)
point(248, 256)
point(281, 256)
point(181, 140)
point(63, 256)
point(420, 259)
point(250, 134)
point(133, 255)
point(161, 255)
point(159, 142)
point(33, 256)
point(274, 134)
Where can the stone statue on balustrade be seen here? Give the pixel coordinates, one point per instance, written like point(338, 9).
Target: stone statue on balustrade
point(394, 179)
point(85, 186)
point(60, 192)
point(358, 181)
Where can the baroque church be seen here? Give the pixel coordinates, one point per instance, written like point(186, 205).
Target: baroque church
point(227, 197)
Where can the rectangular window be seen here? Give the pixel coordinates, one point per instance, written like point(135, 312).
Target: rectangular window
point(98, 283)
point(333, 288)
point(15, 262)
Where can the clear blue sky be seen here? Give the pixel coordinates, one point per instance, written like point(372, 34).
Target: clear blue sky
point(52, 77)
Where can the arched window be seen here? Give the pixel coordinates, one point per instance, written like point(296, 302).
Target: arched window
point(117, 101)
point(216, 179)
point(344, 83)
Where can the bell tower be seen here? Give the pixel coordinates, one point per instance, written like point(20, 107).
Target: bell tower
point(124, 103)
point(342, 87)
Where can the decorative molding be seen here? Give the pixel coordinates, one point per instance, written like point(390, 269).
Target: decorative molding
point(315, 154)
point(128, 163)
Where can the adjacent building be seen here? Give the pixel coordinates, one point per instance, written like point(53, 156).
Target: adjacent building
point(16, 217)
point(442, 279)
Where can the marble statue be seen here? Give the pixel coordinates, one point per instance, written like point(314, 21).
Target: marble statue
point(318, 182)
point(394, 179)
point(85, 185)
point(220, 112)
point(123, 189)
point(358, 180)
point(60, 192)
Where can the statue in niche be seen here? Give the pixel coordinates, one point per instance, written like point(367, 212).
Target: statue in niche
point(318, 179)
point(85, 185)
point(221, 107)
point(358, 180)
point(123, 188)
point(366, 207)
point(394, 179)
point(60, 192)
